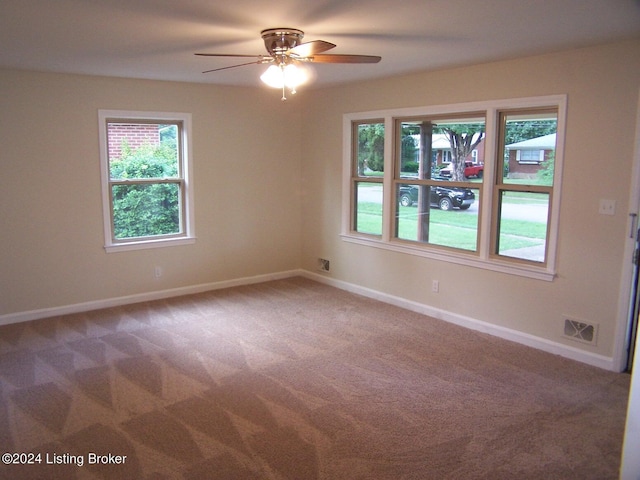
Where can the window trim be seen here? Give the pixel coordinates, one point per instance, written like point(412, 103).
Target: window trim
point(187, 236)
point(483, 258)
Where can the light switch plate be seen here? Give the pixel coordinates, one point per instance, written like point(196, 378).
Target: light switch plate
point(607, 207)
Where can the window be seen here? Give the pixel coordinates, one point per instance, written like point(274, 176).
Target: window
point(523, 195)
point(367, 173)
point(429, 205)
point(145, 167)
point(450, 183)
point(529, 156)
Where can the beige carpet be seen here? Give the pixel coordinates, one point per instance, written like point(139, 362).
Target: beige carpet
point(293, 379)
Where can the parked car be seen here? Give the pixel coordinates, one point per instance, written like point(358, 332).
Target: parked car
point(445, 198)
point(470, 170)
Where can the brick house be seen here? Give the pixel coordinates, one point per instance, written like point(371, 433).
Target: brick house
point(441, 150)
point(526, 158)
point(133, 135)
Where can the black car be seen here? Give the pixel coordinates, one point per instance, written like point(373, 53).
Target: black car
point(445, 198)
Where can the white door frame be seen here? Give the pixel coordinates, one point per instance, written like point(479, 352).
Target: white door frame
point(624, 307)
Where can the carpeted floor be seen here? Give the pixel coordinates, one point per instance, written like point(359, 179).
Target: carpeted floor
point(293, 379)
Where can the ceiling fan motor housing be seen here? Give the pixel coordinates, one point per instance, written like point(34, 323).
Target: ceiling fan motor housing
point(279, 40)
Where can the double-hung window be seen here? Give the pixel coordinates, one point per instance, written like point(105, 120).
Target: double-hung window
point(449, 182)
point(145, 170)
point(429, 205)
point(524, 193)
point(367, 177)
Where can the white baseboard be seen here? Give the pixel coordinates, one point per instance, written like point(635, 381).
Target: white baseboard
point(468, 322)
point(522, 338)
point(9, 318)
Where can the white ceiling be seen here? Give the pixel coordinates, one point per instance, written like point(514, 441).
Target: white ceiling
point(156, 39)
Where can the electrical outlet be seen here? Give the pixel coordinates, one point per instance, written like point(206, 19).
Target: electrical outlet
point(607, 207)
point(157, 271)
point(435, 286)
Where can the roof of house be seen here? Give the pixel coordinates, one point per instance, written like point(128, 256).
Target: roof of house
point(547, 142)
point(439, 141)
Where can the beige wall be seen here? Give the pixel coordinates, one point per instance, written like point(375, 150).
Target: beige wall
point(602, 85)
point(246, 179)
point(268, 190)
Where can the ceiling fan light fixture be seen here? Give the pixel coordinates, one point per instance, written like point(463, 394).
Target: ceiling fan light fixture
point(289, 76)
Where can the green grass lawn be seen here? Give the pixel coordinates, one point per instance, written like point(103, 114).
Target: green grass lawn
point(454, 228)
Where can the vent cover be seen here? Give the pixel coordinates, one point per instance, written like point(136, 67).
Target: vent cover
point(323, 264)
point(580, 331)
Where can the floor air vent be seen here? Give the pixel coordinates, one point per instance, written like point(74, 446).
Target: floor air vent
point(580, 331)
point(323, 264)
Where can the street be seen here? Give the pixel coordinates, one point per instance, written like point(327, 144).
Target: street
point(514, 211)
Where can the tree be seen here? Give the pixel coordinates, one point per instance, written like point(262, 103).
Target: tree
point(409, 149)
point(409, 154)
point(545, 174)
point(370, 147)
point(145, 209)
point(464, 138)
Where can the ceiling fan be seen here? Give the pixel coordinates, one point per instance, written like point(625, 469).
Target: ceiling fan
point(284, 52)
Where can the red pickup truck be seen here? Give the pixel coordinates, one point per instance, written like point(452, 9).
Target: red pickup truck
point(470, 170)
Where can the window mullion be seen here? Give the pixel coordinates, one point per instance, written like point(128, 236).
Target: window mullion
point(388, 194)
point(145, 181)
point(487, 188)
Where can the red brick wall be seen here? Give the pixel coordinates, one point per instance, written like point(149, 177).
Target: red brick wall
point(135, 135)
point(525, 170)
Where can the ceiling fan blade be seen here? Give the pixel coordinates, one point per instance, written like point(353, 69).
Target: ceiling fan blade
point(333, 58)
point(309, 49)
point(228, 55)
point(267, 60)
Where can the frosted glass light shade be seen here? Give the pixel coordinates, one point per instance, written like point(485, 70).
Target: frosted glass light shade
point(278, 76)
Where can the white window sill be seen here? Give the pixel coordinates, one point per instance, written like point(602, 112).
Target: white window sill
point(145, 244)
point(496, 265)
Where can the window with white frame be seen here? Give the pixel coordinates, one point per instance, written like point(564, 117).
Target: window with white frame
point(505, 220)
point(145, 171)
point(529, 156)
